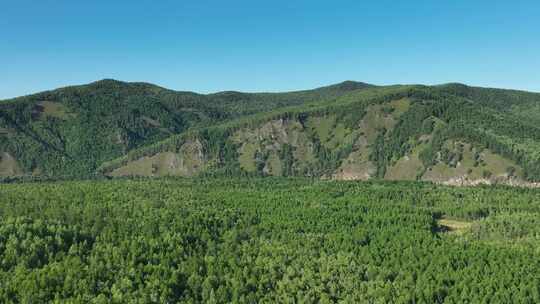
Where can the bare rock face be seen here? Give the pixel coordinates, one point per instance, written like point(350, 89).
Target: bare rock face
point(357, 165)
point(268, 141)
point(508, 181)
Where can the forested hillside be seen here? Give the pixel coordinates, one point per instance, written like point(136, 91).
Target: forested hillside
point(267, 241)
point(73, 130)
point(396, 133)
point(449, 133)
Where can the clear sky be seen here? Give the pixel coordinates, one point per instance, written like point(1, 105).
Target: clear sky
point(208, 46)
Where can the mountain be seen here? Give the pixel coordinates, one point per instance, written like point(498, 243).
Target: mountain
point(73, 130)
point(449, 133)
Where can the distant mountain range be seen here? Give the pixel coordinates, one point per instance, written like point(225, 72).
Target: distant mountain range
point(449, 133)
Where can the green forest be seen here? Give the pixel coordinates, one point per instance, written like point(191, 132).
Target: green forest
point(117, 192)
point(267, 240)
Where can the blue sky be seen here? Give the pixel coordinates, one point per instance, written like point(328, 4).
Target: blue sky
point(209, 46)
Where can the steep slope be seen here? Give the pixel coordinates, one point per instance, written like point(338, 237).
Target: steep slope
point(524, 105)
point(71, 131)
point(395, 133)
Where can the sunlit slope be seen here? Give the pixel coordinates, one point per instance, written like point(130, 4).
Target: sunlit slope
point(396, 133)
point(73, 130)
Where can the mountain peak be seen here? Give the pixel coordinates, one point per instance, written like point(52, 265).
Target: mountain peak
point(349, 85)
point(107, 82)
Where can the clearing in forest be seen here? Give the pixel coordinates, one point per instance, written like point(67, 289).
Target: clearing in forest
point(453, 226)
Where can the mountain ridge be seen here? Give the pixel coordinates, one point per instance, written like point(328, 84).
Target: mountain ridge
point(346, 85)
point(349, 130)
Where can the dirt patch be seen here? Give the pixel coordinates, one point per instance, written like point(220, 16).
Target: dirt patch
point(46, 109)
point(355, 170)
point(189, 161)
point(453, 226)
point(9, 165)
point(409, 167)
point(6, 132)
point(514, 182)
point(357, 165)
point(400, 106)
point(152, 122)
point(472, 167)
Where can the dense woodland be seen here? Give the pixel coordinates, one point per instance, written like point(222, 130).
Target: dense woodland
point(267, 241)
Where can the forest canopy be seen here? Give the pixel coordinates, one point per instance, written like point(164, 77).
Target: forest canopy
point(267, 241)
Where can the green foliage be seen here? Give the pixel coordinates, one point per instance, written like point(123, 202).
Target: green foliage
point(265, 241)
point(379, 156)
point(286, 154)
